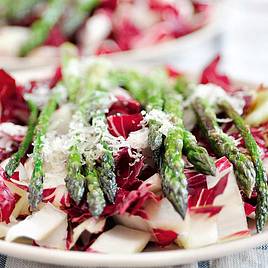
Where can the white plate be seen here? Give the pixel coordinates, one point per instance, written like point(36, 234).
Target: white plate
point(152, 257)
point(145, 259)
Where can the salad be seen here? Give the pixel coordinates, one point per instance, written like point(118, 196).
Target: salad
point(34, 28)
point(110, 160)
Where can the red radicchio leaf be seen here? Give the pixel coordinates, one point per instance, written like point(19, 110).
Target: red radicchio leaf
point(164, 237)
point(107, 47)
point(164, 8)
point(122, 125)
point(55, 78)
point(124, 106)
point(249, 209)
point(77, 213)
point(201, 198)
point(260, 135)
point(211, 75)
point(128, 170)
point(55, 37)
point(125, 32)
point(173, 72)
point(209, 210)
point(108, 4)
point(7, 199)
point(12, 104)
point(206, 197)
point(199, 6)
point(131, 202)
point(4, 154)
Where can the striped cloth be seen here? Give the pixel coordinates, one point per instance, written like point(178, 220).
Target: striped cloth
point(257, 258)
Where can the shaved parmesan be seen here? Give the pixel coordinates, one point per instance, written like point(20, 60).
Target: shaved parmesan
point(162, 118)
point(61, 119)
point(39, 225)
point(92, 225)
point(40, 95)
point(138, 139)
point(121, 240)
point(56, 239)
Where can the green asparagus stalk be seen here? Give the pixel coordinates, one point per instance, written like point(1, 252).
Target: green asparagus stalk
point(95, 197)
point(255, 153)
point(174, 183)
point(17, 10)
point(106, 169)
point(99, 178)
point(16, 158)
point(155, 102)
point(41, 28)
point(75, 181)
point(149, 92)
point(182, 87)
point(197, 155)
point(71, 78)
point(78, 15)
point(223, 145)
point(36, 182)
point(133, 81)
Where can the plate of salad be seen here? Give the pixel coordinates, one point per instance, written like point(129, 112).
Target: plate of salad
point(104, 165)
point(31, 30)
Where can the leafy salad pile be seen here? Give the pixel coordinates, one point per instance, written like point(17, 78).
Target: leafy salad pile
point(122, 24)
point(105, 159)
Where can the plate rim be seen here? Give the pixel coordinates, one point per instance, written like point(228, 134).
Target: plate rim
point(144, 259)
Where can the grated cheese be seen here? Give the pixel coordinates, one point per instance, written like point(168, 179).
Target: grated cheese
point(162, 118)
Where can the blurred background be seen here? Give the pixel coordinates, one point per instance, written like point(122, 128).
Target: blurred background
point(184, 33)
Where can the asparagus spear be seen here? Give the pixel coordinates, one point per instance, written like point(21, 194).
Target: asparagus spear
point(181, 86)
point(174, 183)
point(78, 15)
point(149, 92)
point(41, 28)
point(223, 145)
point(15, 158)
point(95, 197)
point(197, 155)
point(18, 10)
point(155, 102)
point(36, 182)
point(255, 153)
point(75, 181)
point(106, 169)
point(91, 99)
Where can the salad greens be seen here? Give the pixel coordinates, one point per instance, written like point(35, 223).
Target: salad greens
point(112, 159)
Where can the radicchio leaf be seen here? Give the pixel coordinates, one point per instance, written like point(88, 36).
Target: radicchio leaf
point(128, 170)
point(55, 78)
point(122, 125)
point(7, 199)
point(13, 107)
point(125, 106)
point(211, 75)
point(55, 37)
point(164, 237)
